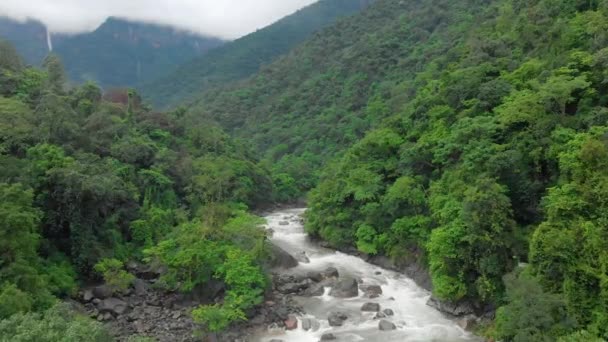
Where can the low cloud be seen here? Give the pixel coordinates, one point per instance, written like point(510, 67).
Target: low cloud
point(227, 19)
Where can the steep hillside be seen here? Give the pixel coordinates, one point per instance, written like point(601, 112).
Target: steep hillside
point(29, 38)
point(488, 164)
point(118, 53)
point(245, 56)
point(323, 95)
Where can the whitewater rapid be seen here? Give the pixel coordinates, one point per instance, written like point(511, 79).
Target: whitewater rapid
point(415, 321)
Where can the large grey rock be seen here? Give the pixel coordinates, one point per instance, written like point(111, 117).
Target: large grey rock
point(385, 325)
point(371, 291)
point(331, 272)
point(315, 290)
point(152, 271)
point(388, 312)
point(113, 306)
point(280, 258)
point(457, 309)
point(336, 319)
point(87, 295)
point(379, 315)
point(345, 288)
point(370, 307)
point(140, 286)
point(102, 292)
point(328, 337)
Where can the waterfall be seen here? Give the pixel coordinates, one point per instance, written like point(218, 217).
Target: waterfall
point(49, 42)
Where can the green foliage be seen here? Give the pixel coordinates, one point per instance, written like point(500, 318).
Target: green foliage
point(494, 152)
point(114, 274)
point(13, 300)
point(57, 324)
point(245, 282)
point(88, 180)
point(532, 314)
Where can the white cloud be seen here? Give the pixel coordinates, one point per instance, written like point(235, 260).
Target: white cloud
point(222, 18)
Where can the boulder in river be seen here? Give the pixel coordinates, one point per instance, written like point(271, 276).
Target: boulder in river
point(310, 324)
point(388, 312)
point(385, 325)
point(328, 337)
point(380, 315)
point(315, 290)
point(318, 276)
point(280, 258)
point(283, 223)
point(336, 319)
point(371, 291)
point(345, 288)
point(370, 307)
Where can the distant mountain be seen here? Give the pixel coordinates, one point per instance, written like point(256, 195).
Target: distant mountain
point(29, 38)
point(118, 53)
point(243, 57)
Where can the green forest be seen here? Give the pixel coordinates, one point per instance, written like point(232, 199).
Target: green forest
point(470, 137)
point(89, 181)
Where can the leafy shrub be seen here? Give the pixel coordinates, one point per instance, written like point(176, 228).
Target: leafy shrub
point(114, 274)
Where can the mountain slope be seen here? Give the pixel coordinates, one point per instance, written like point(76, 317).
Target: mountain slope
point(326, 93)
point(244, 56)
point(488, 164)
point(118, 53)
point(29, 38)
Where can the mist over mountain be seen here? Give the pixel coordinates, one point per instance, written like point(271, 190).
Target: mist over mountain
point(118, 53)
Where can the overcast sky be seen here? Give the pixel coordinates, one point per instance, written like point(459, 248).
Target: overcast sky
point(222, 18)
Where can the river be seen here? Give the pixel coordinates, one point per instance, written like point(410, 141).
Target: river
point(415, 321)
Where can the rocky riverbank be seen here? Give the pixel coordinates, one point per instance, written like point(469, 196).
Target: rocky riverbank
point(147, 310)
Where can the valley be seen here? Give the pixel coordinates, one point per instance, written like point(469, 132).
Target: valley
point(451, 157)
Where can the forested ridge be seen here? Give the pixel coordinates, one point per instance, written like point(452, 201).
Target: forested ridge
point(92, 180)
point(245, 56)
point(487, 161)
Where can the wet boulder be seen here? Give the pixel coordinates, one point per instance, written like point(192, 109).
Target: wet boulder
point(371, 291)
point(336, 319)
point(283, 223)
point(370, 307)
point(280, 258)
point(385, 325)
point(388, 312)
point(345, 288)
point(328, 337)
point(379, 315)
point(310, 324)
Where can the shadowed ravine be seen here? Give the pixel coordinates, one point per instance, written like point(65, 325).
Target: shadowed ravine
point(414, 320)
